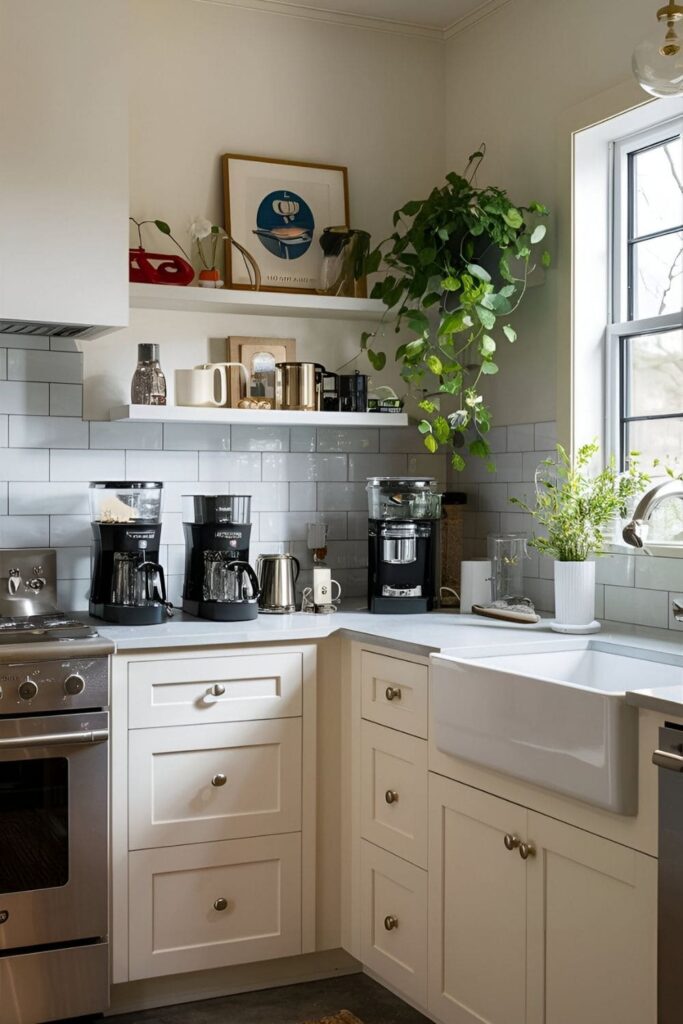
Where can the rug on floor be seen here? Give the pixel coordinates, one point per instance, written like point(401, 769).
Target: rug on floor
point(343, 1017)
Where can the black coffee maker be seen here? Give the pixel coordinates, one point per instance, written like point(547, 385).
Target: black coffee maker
point(128, 584)
point(403, 544)
point(220, 584)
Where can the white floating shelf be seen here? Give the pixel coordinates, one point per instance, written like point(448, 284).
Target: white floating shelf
point(255, 417)
point(224, 300)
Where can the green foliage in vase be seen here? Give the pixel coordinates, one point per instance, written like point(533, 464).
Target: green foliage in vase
point(456, 269)
point(573, 506)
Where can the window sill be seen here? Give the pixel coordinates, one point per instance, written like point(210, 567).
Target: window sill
point(659, 549)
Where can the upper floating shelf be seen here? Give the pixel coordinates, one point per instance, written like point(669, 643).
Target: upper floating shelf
point(255, 417)
point(224, 300)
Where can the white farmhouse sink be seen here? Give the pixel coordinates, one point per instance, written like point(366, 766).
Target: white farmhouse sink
point(553, 714)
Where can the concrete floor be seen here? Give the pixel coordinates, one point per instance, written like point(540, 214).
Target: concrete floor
point(292, 1004)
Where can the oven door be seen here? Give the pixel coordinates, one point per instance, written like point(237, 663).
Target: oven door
point(53, 829)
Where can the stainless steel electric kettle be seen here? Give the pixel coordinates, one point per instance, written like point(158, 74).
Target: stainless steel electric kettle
point(277, 576)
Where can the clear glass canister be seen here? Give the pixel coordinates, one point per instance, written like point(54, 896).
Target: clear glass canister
point(115, 502)
point(403, 498)
point(148, 386)
point(508, 552)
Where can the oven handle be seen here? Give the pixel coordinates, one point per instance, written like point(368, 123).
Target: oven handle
point(56, 739)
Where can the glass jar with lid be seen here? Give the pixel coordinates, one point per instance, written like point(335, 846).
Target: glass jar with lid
point(125, 502)
point(406, 497)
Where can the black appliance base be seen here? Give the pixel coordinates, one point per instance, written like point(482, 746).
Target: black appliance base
point(130, 615)
point(400, 605)
point(219, 611)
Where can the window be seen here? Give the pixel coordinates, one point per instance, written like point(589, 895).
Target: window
point(645, 335)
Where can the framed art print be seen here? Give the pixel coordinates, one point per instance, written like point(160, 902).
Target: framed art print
point(278, 209)
point(259, 355)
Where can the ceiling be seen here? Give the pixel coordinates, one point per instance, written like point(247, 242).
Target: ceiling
point(436, 18)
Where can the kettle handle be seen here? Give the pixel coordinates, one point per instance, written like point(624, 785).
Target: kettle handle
point(253, 578)
point(298, 567)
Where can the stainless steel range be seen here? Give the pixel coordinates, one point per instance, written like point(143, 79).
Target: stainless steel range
point(54, 764)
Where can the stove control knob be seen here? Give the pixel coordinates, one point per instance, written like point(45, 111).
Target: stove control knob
point(28, 690)
point(73, 685)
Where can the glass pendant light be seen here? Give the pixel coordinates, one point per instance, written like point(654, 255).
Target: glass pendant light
point(658, 60)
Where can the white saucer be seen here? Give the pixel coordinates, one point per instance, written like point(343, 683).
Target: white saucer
point(561, 627)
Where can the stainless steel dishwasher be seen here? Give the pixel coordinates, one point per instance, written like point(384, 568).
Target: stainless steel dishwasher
point(669, 759)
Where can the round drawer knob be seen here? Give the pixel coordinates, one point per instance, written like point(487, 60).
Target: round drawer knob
point(391, 796)
point(74, 685)
point(218, 780)
point(511, 841)
point(390, 922)
point(213, 693)
point(220, 904)
point(392, 693)
point(527, 850)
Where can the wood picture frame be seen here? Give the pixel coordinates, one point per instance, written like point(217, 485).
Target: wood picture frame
point(277, 209)
point(244, 350)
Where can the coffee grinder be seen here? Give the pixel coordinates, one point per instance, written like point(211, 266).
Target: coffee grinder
point(220, 584)
point(128, 585)
point(403, 544)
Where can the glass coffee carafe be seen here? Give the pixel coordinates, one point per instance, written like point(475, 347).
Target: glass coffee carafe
point(227, 579)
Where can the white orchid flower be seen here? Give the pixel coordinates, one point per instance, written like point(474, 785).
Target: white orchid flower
point(200, 228)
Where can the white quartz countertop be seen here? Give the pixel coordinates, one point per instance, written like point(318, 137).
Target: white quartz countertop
point(446, 633)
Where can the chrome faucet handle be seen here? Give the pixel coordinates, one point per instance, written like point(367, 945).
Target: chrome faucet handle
point(633, 533)
point(677, 609)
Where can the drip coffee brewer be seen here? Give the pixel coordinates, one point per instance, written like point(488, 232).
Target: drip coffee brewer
point(220, 584)
point(128, 584)
point(403, 544)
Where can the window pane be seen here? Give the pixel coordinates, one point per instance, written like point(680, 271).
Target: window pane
point(658, 187)
point(656, 439)
point(657, 276)
point(654, 374)
point(34, 824)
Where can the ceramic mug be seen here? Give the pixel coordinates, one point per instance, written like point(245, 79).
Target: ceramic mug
point(203, 386)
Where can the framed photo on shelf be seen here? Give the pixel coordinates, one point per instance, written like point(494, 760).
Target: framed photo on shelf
point(259, 355)
point(278, 209)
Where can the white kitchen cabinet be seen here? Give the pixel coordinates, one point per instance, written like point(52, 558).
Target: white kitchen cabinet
point(64, 158)
point(477, 907)
point(202, 783)
point(213, 904)
point(394, 792)
point(395, 693)
point(566, 935)
point(394, 921)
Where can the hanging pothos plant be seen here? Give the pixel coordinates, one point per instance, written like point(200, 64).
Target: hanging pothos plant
point(457, 266)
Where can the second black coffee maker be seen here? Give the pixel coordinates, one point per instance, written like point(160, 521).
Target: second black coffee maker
point(220, 583)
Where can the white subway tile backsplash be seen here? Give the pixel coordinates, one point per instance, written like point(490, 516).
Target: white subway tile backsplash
point(226, 466)
point(26, 341)
point(24, 464)
point(260, 439)
point(639, 607)
point(532, 460)
point(346, 497)
point(265, 497)
point(541, 592)
point(497, 439)
point(69, 531)
point(24, 398)
point(493, 498)
point(200, 437)
point(429, 465)
point(363, 466)
point(92, 464)
point(51, 498)
point(303, 497)
point(172, 528)
point(520, 437)
point(24, 531)
point(545, 436)
point(126, 435)
point(66, 400)
point(73, 563)
point(156, 465)
point(4, 502)
point(47, 432)
point(302, 439)
point(302, 466)
point(4, 431)
point(55, 367)
point(339, 439)
point(658, 573)
point(401, 440)
point(617, 570)
point(3, 364)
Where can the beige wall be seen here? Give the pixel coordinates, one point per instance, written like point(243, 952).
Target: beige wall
point(207, 79)
point(509, 80)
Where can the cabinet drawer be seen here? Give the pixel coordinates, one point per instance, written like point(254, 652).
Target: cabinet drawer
point(223, 688)
point(394, 921)
point(195, 784)
point(394, 792)
point(176, 923)
point(394, 693)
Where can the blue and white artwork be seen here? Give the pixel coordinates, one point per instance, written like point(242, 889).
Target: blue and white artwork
point(285, 224)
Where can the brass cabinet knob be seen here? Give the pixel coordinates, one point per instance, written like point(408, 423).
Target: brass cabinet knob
point(511, 841)
point(219, 779)
point(391, 796)
point(390, 922)
point(527, 850)
point(392, 693)
point(220, 904)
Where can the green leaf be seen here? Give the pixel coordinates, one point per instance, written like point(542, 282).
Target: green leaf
point(442, 430)
point(513, 218)
point(214, 229)
point(430, 299)
point(412, 207)
point(489, 368)
point(365, 338)
point(508, 291)
point(435, 365)
point(538, 234)
point(372, 262)
point(425, 427)
point(443, 234)
point(457, 462)
point(454, 323)
point(163, 227)
point(417, 321)
point(377, 359)
point(487, 346)
point(426, 256)
point(486, 318)
point(427, 406)
point(479, 272)
point(480, 448)
point(450, 283)
point(415, 348)
point(430, 443)
point(510, 333)
point(546, 259)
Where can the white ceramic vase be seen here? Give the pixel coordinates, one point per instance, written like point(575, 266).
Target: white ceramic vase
point(575, 597)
